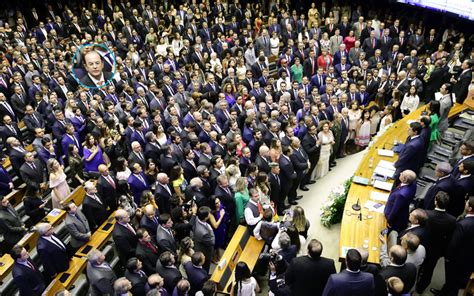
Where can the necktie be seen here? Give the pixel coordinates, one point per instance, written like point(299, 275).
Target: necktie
point(150, 246)
point(110, 180)
point(129, 227)
point(30, 265)
point(139, 177)
point(33, 166)
point(12, 129)
point(58, 242)
point(96, 198)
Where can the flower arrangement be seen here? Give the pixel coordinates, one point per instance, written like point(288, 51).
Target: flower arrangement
point(333, 208)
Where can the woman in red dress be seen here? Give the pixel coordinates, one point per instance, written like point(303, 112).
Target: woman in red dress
point(350, 40)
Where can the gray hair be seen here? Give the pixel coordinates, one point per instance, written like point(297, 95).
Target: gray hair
point(121, 286)
point(94, 255)
point(88, 186)
point(42, 228)
point(284, 240)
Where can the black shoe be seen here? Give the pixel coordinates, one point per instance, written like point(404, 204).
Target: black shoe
point(299, 197)
point(436, 292)
point(293, 202)
point(304, 188)
point(332, 165)
point(330, 169)
point(311, 182)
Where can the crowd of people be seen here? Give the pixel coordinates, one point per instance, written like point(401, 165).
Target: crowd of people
point(216, 116)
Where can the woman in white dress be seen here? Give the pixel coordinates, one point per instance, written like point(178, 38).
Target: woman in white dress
point(410, 101)
point(161, 136)
point(354, 116)
point(57, 182)
point(387, 117)
point(245, 284)
point(275, 44)
point(327, 140)
point(177, 44)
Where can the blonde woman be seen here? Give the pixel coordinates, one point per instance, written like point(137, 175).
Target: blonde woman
point(300, 222)
point(327, 140)
point(233, 173)
point(242, 197)
point(57, 182)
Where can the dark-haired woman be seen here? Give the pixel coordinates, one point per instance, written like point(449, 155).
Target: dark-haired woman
point(245, 284)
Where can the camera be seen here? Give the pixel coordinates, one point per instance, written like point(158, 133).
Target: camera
point(270, 257)
point(188, 206)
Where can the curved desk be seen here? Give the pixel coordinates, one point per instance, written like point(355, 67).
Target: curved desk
point(357, 233)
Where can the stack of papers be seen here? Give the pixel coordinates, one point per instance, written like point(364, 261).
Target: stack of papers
point(373, 206)
point(385, 169)
point(383, 185)
point(386, 164)
point(384, 152)
point(378, 196)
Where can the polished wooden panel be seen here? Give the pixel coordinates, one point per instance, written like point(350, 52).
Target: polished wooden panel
point(356, 233)
point(7, 266)
point(76, 267)
point(16, 196)
point(98, 238)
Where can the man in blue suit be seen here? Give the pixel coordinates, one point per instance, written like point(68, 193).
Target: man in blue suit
point(137, 182)
point(444, 183)
point(6, 184)
point(70, 137)
point(397, 208)
point(351, 281)
point(411, 155)
point(26, 275)
point(197, 276)
point(52, 251)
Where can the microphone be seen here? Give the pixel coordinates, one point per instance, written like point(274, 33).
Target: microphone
point(356, 206)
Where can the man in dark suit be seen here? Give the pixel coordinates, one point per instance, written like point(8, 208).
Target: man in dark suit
point(463, 187)
point(301, 163)
point(26, 275)
point(124, 236)
point(351, 281)
point(444, 183)
point(397, 208)
point(32, 172)
point(94, 207)
point(163, 193)
point(308, 275)
point(17, 154)
point(137, 277)
point(370, 44)
point(440, 229)
point(411, 156)
point(10, 129)
point(146, 251)
point(51, 250)
point(94, 66)
point(398, 267)
point(226, 196)
point(287, 175)
point(459, 256)
point(197, 276)
point(167, 269)
point(275, 187)
point(10, 225)
point(149, 221)
point(107, 187)
point(203, 235)
point(418, 219)
point(461, 83)
point(312, 146)
point(19, 100)
point(137, 182)
point(6, 182)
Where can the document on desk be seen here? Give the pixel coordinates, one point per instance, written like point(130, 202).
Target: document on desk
point(384, 152)
point(378, 196)
point(384, 172)
point(373, 206)
point(386, 164)
point(54, 212)
point(383, 185)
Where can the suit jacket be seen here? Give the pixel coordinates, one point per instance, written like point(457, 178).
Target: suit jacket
point(170, 274)
point(6, 132)
point(163, 197)
point(227, 200)
point(11, 225)
point(5, 181)
point(300, 162)
point(33, 177)
point(147, 257)
point(101, 280)
point(459, 253)
point(463, 187)
point(445, 184)
point(86, 80)
point(420, 231)
point(203, 236)
point(263, 165)
point(109, 192)
point(125, 240)
point(460, 88)
point(30, 282)
point(95, 212)
point(196, 276)
point(17, 159)
point(165, 241)
point(397, 208)
point(54, 258)
point(189, 170)
point(287, 172)
point(31, 123)
point(150, 225)
point(440, 227)
point(139, 283)
point(406, 272)
point(78, 227)
point(350, 283)
point(137, 186)
point(411, 157)
point(308, 276)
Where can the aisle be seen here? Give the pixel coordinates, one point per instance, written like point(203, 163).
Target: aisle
point(317, 195)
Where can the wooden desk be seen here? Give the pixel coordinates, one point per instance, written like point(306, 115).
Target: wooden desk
point(7, 266)
point(77, 196)
point(356, 233)
point(242, 247)
point(99, 237)
point(16, 196)
point(66, 279)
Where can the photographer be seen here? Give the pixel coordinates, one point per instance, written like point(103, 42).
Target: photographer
point(276, 282)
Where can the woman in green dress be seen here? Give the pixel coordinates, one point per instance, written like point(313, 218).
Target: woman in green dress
point(297, 70)
point(433, 111)
point(241, 197)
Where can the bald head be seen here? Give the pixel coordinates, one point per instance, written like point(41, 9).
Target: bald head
point(398, 255)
